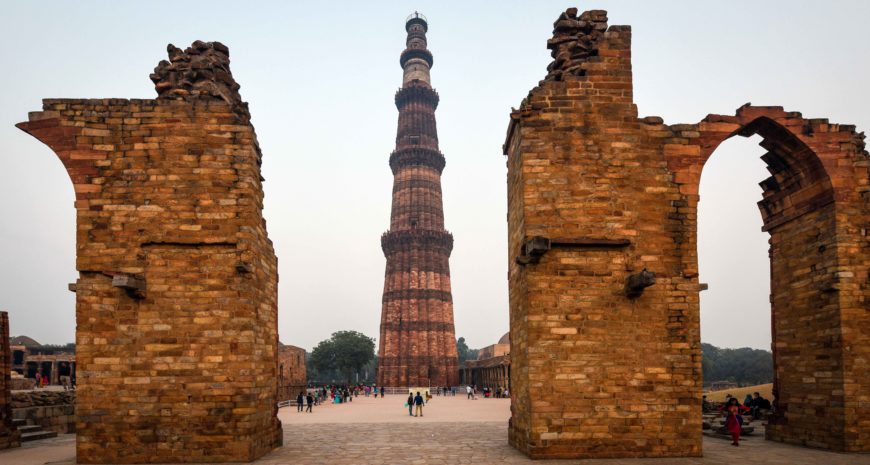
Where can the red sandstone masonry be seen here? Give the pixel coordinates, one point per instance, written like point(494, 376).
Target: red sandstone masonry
point(9, 435)
point(596, 373)
point(176, 301)
point(417, 337)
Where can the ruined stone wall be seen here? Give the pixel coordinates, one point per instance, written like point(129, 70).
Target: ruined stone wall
point(292, 375)
point(176, 301)
point(606, 357)
point(9, 434)
point(53, 410)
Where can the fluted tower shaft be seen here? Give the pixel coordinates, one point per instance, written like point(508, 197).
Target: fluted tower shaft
point(417, 340)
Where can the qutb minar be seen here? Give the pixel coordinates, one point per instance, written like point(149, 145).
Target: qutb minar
point(417, 343)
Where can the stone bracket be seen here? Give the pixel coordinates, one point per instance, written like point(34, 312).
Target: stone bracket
point(536, 246)
point(244, 267)
point(637, 282)
point(135, 287)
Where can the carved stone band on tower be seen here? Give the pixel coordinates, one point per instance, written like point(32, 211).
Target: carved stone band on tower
point(417, 343)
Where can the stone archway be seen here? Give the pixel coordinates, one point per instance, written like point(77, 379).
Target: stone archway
point(604, 290)
point(814, 207)
point(176, 301)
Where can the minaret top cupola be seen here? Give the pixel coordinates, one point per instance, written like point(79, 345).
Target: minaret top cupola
point(416, 59)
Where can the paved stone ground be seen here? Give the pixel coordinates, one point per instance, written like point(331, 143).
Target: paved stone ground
point(452, 431)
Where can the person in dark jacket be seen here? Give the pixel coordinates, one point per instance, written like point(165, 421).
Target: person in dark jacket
point(310, 399)
point(411, 404)
point(300, 402)
point(758, 405)
point(418, 404)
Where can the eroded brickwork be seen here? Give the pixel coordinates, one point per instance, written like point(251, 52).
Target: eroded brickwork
point(176, 299)
point(292, 375)
point(605, 340)
point(417, 343)
point(9, 434)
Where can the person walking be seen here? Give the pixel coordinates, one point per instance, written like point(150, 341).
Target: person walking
point(410, 404)
point(310, 399)
point(733, 423)
point(469, 391)
point(418, 403)
point(300, 402)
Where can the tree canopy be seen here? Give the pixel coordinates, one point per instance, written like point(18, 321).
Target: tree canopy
point(743, 366)
point(346, 351)
point(464, 352)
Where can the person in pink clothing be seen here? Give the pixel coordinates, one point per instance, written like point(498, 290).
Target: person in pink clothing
point(733, 423)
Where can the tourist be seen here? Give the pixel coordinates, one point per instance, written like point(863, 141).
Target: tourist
point(310, 399)
point(453, 391)
point(382, 392)
point(747, 401)
point(410, 403)
point(469, 391)
point(706, 405)
point(733, 422)
point(300, 402)
point(38, 380)
point(758, 404)
point(506, 394)
point(418, 404)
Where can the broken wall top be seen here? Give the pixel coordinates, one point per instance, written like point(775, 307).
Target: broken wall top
point(201, 71)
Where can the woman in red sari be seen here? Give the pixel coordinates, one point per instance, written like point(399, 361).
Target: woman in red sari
point(733, 423)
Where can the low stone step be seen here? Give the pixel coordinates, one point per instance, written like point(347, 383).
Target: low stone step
point(19, 421)
point(38, 435)
point(29, 428)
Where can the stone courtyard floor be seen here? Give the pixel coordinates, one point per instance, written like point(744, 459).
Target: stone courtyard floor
point(453, 430)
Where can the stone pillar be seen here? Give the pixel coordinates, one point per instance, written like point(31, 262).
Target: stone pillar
point(9, 435)
point(176, 300)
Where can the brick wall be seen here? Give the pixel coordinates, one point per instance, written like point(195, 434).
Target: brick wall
point(9, 434)
point(176, 297)
point(292, 375)
point(606, 361)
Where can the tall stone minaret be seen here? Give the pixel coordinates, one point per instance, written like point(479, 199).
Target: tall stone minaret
point(418, 342)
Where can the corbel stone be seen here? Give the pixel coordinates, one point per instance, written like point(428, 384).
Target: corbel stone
point(637, 282)
point(135, 287)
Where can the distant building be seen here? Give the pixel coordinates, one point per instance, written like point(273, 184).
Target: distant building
point(722, 385)
point(492, 368)
point(29, 357)
point(292, 376)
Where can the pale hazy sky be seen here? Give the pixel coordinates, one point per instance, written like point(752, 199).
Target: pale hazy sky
point(320, 79)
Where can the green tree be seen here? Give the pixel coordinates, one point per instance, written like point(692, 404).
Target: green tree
point(462, 350)
point(346, 351)
point(744, 366)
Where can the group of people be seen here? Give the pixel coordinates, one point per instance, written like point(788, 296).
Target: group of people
point(67, 381)
point(498, 393)
point(733, 410)
point(336, 394)
point(302, 399)
point(415, 403)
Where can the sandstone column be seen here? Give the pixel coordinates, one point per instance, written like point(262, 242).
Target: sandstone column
point(417, 339)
